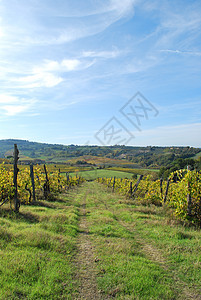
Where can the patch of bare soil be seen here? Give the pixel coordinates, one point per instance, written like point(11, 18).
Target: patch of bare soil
point(85, 262)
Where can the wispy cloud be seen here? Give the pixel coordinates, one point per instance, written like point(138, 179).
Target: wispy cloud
point(194, 53)
point(48, 74)
point(40, 79)
point(66, 22)
point(12, 105)
point(102, 54)
point(86, 55)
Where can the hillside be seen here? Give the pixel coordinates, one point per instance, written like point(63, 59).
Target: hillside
point(126, 156)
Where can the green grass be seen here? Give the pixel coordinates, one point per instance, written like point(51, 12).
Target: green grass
point(36, 248)
point(93, 174)
point(141, 252)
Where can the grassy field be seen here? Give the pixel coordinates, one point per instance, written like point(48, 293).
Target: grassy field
point(93, 174)
point(136, 252)
point(114, 172)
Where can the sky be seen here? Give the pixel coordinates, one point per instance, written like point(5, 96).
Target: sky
point(101, 72)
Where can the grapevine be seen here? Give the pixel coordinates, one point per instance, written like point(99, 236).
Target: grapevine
point(186, 186)
point(57, 184)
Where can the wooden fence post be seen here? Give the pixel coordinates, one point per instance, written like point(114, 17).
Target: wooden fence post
point(46, 184)
point(136, 185)
point(166, 191)
point(131, 188)
point(16, 170)
point(113, 185)
point(59, 181)
point(33, 182)
point(161, 187)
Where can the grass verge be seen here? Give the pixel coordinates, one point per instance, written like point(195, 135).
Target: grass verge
point(36, 248)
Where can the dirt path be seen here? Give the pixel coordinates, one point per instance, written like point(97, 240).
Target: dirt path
point(85, 261)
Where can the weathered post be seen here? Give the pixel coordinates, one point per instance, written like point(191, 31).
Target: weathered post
point(131, 188)
point(16, 170)
point(166, 191)
point(59, 181)
point(161, 187)
point(113, 185)
point(46, 184)
point(136, 185)
point(33, 182)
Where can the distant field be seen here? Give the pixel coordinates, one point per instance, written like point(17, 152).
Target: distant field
point(197, 155)
point(134, 171)
point(52, 168)
point(93, 174)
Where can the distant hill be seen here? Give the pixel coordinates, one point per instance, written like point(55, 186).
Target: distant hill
point(150, 156)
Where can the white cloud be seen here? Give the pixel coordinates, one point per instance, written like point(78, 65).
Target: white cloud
point(13, 105)
point(8, 99)
point(40, 79)
point(70, 64)
point(56, 23)
point(12, 110)
point(102, 54)
point(51, 73)
point(54, 66)
point(122, 7)
point(194, 53)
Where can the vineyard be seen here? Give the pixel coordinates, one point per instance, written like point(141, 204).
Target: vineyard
point(182, 192)
point(33, 184)
point(107, 238)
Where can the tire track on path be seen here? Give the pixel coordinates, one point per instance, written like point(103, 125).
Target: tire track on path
point(85, 259)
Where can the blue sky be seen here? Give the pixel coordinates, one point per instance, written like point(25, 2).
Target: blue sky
point(101, 71)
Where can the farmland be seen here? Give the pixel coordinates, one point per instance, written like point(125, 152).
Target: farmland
point(93, 233)
point(93, 242)
point(93, 174)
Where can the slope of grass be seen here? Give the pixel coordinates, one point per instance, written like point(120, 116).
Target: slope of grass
point(36, 249)
point(93, 174)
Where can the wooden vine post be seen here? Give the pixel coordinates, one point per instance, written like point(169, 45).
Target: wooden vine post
point(136, 185)
point(33, 182)
point(59, 181)
point(113, 185)
point(161, 187)
point(16, 170)
point(166, 191)
point(46, 184)
point(131, 188)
